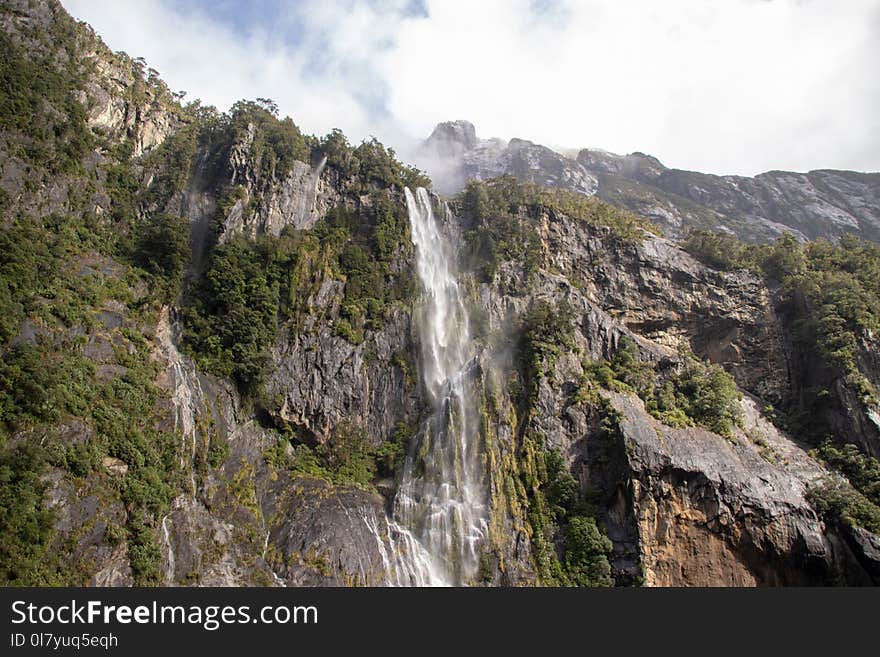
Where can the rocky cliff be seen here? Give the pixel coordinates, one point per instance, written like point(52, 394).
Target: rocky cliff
point(210, 358)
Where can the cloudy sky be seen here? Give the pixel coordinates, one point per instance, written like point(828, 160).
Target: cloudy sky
point(727, 86)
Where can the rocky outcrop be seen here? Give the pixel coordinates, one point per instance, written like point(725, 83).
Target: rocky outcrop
point(248, 523)
point(716, 512)
point(122, 101)
point(270, 201)
point(321, 379)
point(121, 106)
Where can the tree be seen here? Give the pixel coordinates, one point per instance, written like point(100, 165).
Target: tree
point(269, 105)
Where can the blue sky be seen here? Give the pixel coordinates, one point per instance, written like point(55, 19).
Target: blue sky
point(729, 86)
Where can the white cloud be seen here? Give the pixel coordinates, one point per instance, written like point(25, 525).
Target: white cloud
point(732, 86)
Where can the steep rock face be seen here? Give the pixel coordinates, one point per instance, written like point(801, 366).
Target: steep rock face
point(120, 106)
point(119, 103)
point(715, 512)
point(664, 295)
point(245, 522)
point(322, 379)
point(269, 202)
point(105, 105)
point(683, 507)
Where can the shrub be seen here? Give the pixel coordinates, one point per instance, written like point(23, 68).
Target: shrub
point(839, 501)
point(862, 471)
point(586, 553)
point(698, 393)
point(708, 395)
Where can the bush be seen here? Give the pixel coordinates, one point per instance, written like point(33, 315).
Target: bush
point(862, 471)
point(708, 395)
point(839, 501)
point(586, 554)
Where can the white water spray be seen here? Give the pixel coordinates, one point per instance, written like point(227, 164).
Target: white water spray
point(440, 510)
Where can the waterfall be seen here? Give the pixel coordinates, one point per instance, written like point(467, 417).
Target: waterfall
point(169, 547)
point(440, 510)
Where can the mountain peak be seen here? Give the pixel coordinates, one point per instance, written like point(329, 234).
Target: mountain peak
point(453, 136)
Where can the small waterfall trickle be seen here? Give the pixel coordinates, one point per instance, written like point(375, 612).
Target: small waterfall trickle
point(440, 512)
point(169, 548)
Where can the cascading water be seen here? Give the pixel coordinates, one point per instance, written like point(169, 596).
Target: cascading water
point(440, 510)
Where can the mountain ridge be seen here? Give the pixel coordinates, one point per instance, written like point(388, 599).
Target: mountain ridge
point(819, 203)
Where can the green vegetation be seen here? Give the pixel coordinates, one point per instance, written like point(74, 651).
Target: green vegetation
point(502, 210)
point(162, 250)
point(498, 232)
point(838, 500)
point(722, 251)
point(862, 471)
point(568, 546)
point(49, 389)
point(831, 301)
point(369, 166)
point(38, 102)
point(44, 386)
point(170, 163)
point(25, 523)
point(586, 554)
point(252, 287)
point(232, 317)
point(696, 393)
point(275, 145)
point(546, 331)
point(347, 457)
